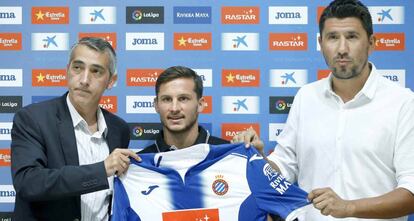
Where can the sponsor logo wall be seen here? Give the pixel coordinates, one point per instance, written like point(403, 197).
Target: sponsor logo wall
point(253, 56)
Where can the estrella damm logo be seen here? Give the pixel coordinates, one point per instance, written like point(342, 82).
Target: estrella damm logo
point(49, 78)
point(50, 15)
point(192, 41)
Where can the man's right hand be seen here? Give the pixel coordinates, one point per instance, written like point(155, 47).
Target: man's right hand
point(118, 161)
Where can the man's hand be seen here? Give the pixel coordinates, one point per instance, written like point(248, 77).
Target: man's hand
point(118, 161)
point(329, 203)
point(249, 137)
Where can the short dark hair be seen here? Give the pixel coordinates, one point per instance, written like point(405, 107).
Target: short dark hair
point(176, 72)
point(344, 9)
point(99, 45)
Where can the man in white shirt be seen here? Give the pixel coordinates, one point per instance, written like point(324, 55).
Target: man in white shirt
point(65, 151)
point(349, 138)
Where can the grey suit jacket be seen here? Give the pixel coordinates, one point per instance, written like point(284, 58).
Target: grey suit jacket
point(45, 166)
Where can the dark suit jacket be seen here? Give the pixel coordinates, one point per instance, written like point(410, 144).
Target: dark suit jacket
point(45, 166)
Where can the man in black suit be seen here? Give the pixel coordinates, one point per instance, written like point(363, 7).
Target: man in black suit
point(65, 151)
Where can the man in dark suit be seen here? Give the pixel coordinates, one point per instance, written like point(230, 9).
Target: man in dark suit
point(65, 151)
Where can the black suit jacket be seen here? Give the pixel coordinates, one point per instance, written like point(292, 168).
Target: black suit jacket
point(45, 166)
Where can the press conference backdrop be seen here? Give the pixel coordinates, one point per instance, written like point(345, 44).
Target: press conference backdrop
point(253, 57)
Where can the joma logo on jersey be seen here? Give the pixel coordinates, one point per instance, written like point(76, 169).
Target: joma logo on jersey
point(240, 15)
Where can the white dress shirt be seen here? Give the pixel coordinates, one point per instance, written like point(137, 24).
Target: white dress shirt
point(92, 148)
point(361, 148)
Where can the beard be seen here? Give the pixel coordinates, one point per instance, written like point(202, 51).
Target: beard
point(188, 125)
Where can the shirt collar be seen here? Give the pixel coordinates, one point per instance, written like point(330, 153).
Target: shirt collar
point(368, 90)
point(77, 119)
point(202, 137)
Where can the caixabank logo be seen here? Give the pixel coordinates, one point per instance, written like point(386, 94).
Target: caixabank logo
point(144, 131)
point(240, 104)
point(50, 41)
point(387, 15)
point(142, 77)
point(144, 15)
point(10, 104)
point(107, 36)
point(50, 15)
point(288, 77)
point(240, 42)
point(10, 15)
point(49, 78)
point(192, 14)
point(97, 15)
point(11, 77)
point(280, 105)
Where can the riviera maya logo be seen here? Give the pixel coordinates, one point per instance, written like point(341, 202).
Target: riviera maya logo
point(137, 15)
point(137, 131)
point(280, 105)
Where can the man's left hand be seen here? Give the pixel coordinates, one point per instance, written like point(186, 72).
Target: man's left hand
point(249, 137)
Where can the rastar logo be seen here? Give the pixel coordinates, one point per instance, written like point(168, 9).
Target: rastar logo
point(5, 157)
point(323, 74)
point(50, 15)
point(240, 78)
point(288, 41)
point(142, 77)
point(390, 41)
point(109, 103)
point(10, 41)
point(229, 130)
point(192, 41)
point(208, 105)
point(110, 37)
point(49, 78)
point(240, 15)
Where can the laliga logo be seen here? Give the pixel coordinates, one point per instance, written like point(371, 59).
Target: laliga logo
point(137, 15)
point(280, 105)
point(137, 131)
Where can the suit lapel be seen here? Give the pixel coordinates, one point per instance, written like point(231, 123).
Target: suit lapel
point(112, 135)
point(67, 133)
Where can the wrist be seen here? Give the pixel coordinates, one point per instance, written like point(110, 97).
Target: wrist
point(351, 208)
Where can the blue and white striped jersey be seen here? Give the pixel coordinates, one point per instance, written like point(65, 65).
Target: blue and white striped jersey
point(205, 183)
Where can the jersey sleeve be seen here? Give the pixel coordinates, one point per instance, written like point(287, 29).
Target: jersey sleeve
point(272, 192)
point(122, 210)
